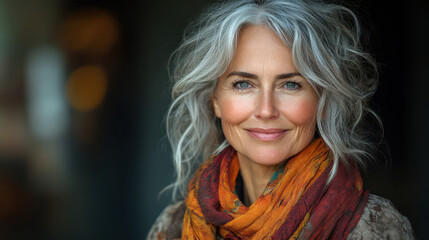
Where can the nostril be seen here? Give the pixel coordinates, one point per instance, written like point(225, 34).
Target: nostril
point(267, 108)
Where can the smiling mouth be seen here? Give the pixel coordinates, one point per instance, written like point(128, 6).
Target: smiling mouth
point(266, 135)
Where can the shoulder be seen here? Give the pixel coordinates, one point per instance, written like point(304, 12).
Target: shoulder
point(381, 220)
point(168, 225)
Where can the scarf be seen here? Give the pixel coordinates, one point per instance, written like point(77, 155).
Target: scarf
point(296, 203)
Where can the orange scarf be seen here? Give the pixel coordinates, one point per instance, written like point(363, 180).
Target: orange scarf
point(296, 201)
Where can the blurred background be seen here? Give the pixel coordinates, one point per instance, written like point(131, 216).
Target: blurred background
point(84, 90)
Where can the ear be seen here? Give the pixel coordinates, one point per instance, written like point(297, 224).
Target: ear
point(216, 106)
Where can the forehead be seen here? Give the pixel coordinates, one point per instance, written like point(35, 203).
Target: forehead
point(259, 46)
point(257, 36)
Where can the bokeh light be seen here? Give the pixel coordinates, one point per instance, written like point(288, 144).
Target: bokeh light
point(86, 87)
point(89, 31)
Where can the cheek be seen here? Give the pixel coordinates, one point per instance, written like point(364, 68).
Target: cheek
point(301, 111)
point(235, 110)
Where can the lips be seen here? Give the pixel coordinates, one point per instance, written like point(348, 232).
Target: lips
point(266, 134)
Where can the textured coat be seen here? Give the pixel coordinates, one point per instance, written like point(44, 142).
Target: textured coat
point(380, 220)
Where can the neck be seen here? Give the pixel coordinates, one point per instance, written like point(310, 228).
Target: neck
point(255, 178)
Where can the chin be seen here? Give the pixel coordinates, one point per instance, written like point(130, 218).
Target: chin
point(267, 156)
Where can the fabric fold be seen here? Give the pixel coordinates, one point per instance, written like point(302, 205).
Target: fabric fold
point(296, 203)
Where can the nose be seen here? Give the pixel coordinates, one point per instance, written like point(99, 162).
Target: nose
point(267, 108)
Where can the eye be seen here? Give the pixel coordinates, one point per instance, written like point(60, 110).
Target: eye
point(241, 85)
point(291, 85)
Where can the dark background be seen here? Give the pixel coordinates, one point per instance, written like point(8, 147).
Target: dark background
point(97, 175)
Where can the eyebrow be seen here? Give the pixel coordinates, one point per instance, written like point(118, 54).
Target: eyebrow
point(253, 76)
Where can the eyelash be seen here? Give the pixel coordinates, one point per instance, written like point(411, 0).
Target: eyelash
point(236, 83)
point(298, 85)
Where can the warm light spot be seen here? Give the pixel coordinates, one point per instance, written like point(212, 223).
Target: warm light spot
point(359, 185)
point(91, 31)
point(86, 87)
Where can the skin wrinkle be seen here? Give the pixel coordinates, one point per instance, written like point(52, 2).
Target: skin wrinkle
point(266, 104)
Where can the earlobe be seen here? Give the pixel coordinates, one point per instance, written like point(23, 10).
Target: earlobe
point(216, 107)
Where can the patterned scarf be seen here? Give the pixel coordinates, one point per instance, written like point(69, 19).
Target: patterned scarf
point(296, 204)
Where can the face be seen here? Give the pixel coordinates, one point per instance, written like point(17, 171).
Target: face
point(266, 107)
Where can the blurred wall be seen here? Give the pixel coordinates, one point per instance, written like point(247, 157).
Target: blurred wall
point(84, 90)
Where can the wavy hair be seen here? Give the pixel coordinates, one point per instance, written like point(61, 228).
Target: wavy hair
point(326, 49)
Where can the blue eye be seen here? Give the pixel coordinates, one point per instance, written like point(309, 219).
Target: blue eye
point(242, 85)
point(292, 85)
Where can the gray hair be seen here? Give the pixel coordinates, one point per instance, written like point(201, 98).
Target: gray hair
point(325, 43)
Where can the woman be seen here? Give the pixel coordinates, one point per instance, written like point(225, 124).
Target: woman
point(270, 105)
